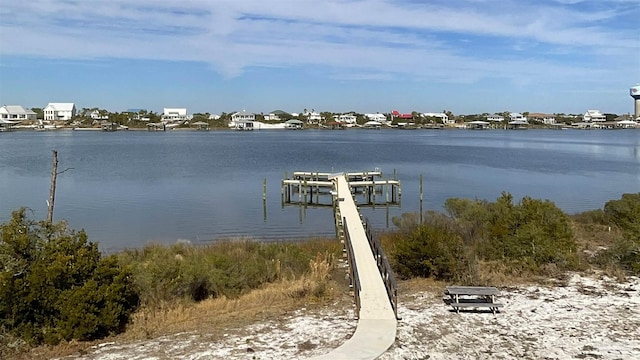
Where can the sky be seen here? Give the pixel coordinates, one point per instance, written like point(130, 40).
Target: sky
point(464, 56)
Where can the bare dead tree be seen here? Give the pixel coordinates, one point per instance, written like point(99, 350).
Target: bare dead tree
point(52, 190)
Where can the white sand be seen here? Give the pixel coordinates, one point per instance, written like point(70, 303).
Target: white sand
point(590, 318)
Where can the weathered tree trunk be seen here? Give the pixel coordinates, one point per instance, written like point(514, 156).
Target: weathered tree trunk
point(52, 191)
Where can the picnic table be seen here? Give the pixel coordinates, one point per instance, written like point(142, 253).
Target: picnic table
point(473, 297)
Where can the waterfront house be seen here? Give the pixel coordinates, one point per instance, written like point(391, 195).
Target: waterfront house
point(348, 119)
point(138, 115)
point(97, 115)
point(243, 116)
point(396, 114)
point(16, 113)
point(174, 115)
point(377, 117)
point(242, 120)
point(59, 111)
point(548, 119)
point(442, 116)
point(272, 117)
point(518, 118)
point(313, 117)
point(593, 116)
point(495, 118)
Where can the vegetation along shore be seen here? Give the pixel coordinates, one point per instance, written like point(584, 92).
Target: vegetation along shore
point(59, 295)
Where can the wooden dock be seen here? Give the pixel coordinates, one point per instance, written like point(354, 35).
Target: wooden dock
point(374, 286)
point(310, 186)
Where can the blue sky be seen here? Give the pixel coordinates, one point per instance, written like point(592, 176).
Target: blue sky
point(466, 56)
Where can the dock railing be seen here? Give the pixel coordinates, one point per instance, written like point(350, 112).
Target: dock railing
point(384, 267)
point(354, 279)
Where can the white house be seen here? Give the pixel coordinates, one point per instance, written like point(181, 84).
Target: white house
point(272, 117)
point(313, 117)
point(243, 116)
point(174, 114)
point(96, 115)
point(214, 116)
point(594, 116)
point(377, 117)
point(59, 111)
point(517, 117)
point(442, 116)
point(495, 117)
point(16, 113)
point(548, 119)
point(347, 118)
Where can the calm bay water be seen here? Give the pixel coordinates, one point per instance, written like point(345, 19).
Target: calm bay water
point(130, 188)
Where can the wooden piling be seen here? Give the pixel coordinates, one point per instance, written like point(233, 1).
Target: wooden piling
point(264, 189)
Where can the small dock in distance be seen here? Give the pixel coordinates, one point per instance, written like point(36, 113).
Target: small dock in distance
point(309, 187)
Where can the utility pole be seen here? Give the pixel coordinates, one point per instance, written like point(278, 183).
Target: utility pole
point(52, 190)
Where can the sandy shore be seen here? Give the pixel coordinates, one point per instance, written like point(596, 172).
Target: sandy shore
point(585, 317)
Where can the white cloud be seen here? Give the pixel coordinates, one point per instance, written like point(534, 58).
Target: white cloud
point(364, 38)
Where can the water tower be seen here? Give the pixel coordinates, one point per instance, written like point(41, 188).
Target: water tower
point(635, 94)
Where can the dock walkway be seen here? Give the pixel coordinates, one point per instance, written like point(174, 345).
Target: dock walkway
point(377, 324)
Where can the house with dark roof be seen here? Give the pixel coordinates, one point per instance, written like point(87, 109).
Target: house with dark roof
point(548, 119)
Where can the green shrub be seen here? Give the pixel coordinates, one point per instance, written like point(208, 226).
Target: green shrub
point(55, 285)
point(470, 216)
point(533, 229)
point(625, 213)
point(625, 251)
point(624, 254)
point(528, 237)
point(430, 251)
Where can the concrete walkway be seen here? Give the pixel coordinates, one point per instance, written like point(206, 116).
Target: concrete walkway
point(376, 329)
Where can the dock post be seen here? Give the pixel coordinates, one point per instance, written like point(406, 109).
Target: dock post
point(306, 189)
point(317, 188)
point(387, 216)
point(264, 189)
point(373, 187)
point(393, 193)
point(264, 209)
